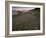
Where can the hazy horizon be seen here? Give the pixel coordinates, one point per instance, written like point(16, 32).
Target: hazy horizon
point(22, 9)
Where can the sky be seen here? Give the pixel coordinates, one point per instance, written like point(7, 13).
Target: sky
point(22, 8)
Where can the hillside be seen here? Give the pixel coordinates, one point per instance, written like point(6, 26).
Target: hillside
point(29, 20)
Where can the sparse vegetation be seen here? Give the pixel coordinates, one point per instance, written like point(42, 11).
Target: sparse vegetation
point(26, 21)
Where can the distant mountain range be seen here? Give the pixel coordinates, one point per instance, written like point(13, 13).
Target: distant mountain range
point(15, 12)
